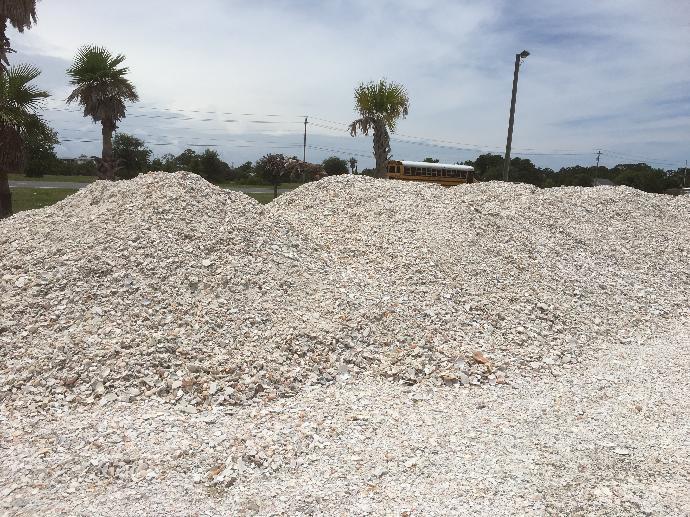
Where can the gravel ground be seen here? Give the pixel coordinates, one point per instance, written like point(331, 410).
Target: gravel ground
point(357, 346)
point(609, 437)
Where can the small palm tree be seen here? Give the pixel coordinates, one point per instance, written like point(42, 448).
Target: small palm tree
point(19, 101)
point(380, 105)
point(353, 165)
point(102, 88)
point(20, 14)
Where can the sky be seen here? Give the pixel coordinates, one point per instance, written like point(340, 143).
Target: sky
point(240, 76)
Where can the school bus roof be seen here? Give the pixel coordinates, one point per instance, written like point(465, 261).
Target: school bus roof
point(450, 166)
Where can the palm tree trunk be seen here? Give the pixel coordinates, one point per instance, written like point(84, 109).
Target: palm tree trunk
point(4, 45)
point(108, 165)
point(5, 196)
point(381, 148)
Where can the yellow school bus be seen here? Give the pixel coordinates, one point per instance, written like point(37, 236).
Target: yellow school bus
point(445, 174)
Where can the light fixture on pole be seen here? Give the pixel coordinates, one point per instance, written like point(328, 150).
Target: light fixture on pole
point(518, 60)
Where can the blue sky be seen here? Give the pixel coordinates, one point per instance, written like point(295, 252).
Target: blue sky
point(240, 75)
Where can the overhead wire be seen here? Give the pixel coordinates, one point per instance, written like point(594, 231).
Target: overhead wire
point(326, 124)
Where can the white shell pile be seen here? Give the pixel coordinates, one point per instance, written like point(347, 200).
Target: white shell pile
point(359, 346)
point(168, 287)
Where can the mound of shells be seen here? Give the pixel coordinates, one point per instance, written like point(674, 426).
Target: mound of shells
point(166, 286)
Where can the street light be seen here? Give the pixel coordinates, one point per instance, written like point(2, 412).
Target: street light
point(506, 164)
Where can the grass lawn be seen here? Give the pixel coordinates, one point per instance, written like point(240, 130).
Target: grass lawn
point(263, 198)
point(89, 179)
point(30, 198)
point(52, 177)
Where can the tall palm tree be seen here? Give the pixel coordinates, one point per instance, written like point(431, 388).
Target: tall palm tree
point(102, 88)
point(19, 101)
point(380, 105)
point(20, 14)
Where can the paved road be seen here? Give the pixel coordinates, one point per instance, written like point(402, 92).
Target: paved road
point(78, 185)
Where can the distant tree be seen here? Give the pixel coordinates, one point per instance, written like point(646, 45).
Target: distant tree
point(306, 171)
point(39, 146)
point(575, 176)
point(243, 172)
point(353, 165)
point(187, 160)
point(77, 167)
point(212, 167)
point(676, 178)
point(131, 155)
point(522, 170)
point(272, 168)
point(640, 176)
point(431, 160)
point(334, 166)
point(488, 166)
point(165, 163)
point(380, 105)
point(102, 88)
point(19, 101)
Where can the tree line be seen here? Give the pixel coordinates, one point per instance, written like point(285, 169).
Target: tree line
point(132, 157)
point(642, 176)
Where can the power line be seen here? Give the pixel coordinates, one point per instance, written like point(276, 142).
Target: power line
point(431, 142)
point(633, 157)
point(334, 150)
point(343, 127)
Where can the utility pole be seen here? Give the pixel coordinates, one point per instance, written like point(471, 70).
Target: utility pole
point(506, 164)
point(596, 171)
point(304, 154)
point(685, 174)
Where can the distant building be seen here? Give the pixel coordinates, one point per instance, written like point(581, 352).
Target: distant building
point(82, 159)
point(603, 182)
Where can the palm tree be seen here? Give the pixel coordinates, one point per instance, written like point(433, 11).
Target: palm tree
point(380, 105)
point(21, 14)
point(19, 101)
point(353, 165)
point(102, 89)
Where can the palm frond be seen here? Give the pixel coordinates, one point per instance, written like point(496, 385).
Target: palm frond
point(101, 85)
point(20, 13)
point(364, 125)
point(382, 101)
point(19, 98)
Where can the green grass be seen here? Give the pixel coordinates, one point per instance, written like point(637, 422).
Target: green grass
point(263, 197)
point(90, 179)
point(53, 177)
point(30, 198)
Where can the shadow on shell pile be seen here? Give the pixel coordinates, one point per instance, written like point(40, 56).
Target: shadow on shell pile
point(166, 286)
